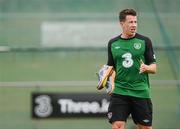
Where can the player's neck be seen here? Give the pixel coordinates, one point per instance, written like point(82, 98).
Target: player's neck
point(126, 36)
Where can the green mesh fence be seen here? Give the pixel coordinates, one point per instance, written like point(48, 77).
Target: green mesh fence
point(26, 65)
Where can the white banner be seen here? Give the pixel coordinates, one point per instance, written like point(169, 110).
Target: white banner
point(78, 34)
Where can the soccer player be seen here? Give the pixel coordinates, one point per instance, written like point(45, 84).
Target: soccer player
point(132, 57)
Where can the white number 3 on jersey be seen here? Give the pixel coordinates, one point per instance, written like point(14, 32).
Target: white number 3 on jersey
point(128, 62)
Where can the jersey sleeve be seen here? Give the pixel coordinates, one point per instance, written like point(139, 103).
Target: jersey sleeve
point(110, 60)
point(149, 53)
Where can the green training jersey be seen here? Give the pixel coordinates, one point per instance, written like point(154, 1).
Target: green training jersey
point(125, 56)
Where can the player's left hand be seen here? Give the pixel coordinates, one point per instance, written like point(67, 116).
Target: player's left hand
point(143, 67)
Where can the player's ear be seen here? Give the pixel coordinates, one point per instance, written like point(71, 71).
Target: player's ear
point(121, 24)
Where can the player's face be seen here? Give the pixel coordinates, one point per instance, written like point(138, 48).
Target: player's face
point(129, 26)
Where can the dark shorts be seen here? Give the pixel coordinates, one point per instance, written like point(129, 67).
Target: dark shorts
point(121, 107)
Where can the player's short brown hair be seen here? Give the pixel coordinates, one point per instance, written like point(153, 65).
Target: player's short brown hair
point(125, 12)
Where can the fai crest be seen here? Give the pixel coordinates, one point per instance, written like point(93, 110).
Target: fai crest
point(137, 45)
